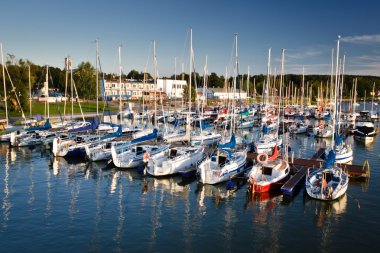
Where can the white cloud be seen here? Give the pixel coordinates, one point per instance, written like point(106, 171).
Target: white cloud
point(362, 39)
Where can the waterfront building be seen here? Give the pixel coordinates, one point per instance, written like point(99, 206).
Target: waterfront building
point(221, 93)
point(136, 89)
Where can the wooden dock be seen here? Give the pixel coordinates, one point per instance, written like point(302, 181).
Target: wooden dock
point(290, 185)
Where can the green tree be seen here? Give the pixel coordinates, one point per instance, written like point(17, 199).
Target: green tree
point(186, 93)
point(85, 80)
point(215, 81)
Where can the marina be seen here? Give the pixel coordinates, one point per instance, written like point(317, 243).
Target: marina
point(228, 126)
point(124, 210)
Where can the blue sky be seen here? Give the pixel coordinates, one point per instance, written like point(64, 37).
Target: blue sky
point(45, 32)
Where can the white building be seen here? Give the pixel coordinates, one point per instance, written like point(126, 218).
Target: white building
point(221, 93)
point(133, 89)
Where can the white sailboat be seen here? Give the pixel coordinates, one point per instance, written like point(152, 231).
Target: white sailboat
point(331, 181)
point(271, 172)
point(135, 155)
point(175, 160)
point(224, 163)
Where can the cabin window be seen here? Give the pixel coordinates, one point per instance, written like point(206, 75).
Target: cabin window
point(139, 150)
point(173, 153)
point(266, 171)
point(222, 160)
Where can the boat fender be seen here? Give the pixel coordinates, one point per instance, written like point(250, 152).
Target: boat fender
point(262, 158)
point(146, 156)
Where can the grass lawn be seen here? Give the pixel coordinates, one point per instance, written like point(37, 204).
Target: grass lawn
point(55, 108)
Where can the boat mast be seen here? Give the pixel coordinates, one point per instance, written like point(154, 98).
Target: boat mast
point(266, 89)
point(248, 83)
point(332, 75)
point(280, 91)
point(175, 85)
point(190, 65)
point(335, 93)
point(373, 95)
point(47, 90)
point(97, 77)
point(302, 89)
point(5, 87)
point(155, 83)
point(120, 104)
point(235, 80)
point(341, 93)
point(72, 88)
point(66, 78)
point(30, 93)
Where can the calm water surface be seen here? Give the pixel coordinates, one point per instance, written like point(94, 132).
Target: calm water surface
point(55, 205)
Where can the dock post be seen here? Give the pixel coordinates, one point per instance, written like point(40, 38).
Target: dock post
point(292, 156)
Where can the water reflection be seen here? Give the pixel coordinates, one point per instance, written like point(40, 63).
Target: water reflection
point(6, 203)
point(327, 215)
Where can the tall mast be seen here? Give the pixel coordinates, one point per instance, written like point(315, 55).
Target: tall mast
point(335, 93)
point(190, 65)
point(175, 85)
point(332, 75)
point(302, 88)
point(341, 92)
point(280, 90)
point(155, 83)
point(30, 93)
point(66, 77)
point(47, 90)
point(97, 77)
point(183, 78)
point(266, 89)
point(248, 83)
point(235, 80)
point(120, 105)
point(72, 88)
point(373, 95)
point(5, 87)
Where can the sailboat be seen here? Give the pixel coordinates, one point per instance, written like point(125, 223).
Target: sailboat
point(175, 160)
point(328, 183)
point(272, 172)
point(225, 162)
point(331, 181)
point(268, 173)
point(343, 152)
point(267, 141)
point(4, 122)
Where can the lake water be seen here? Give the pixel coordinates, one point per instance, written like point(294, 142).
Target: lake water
point(55, 205)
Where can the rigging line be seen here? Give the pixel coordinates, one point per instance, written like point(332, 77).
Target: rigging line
point(14, 91)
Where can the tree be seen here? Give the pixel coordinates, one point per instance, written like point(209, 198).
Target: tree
point(134, 74)
point(215, 81)
point(186, 93)
point(85, 80)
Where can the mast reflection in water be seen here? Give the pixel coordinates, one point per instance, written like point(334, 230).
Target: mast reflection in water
point(53, 204)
